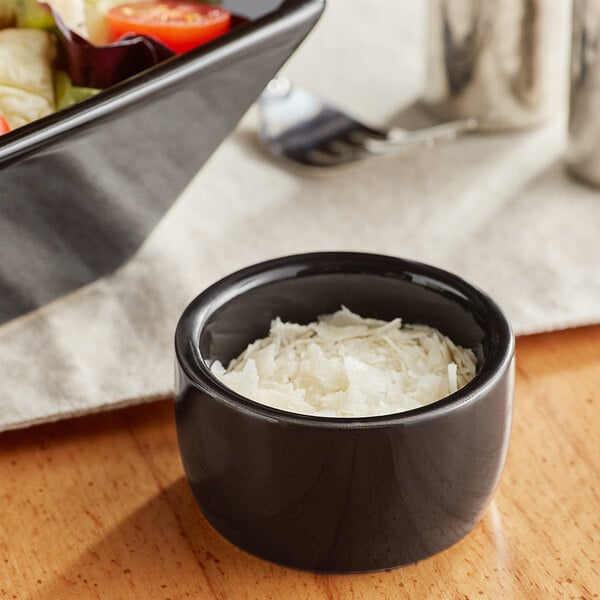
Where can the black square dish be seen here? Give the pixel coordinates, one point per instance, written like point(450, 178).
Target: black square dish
point(82, 188)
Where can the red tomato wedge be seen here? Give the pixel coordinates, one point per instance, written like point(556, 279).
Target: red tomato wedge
point(4, 128)
point(178, 24)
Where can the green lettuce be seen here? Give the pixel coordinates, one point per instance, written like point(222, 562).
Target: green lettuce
point(67, 93)
point(26, 76)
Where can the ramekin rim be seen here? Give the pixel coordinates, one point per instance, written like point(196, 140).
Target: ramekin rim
point(198, 372)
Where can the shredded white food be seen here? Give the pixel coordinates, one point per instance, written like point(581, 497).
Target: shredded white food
point(345, 365)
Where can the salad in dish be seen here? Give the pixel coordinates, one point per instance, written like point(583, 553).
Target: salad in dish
point(55, 53)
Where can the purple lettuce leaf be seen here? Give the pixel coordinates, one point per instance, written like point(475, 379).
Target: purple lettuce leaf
point(103, 66)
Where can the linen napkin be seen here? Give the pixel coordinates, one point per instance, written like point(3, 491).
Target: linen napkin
point(499, 210)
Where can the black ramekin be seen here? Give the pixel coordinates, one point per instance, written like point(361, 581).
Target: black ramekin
point(342, 494)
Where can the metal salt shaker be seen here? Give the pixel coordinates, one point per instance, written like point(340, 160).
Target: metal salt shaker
point(495, 60)
point(583, 154)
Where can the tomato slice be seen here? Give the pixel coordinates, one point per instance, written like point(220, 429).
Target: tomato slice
point(178, 24)
point(4, 128)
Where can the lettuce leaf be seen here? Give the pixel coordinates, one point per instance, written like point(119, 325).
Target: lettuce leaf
point(26, 78)
point(67, 94)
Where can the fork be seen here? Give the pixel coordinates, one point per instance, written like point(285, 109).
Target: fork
point(296, 125)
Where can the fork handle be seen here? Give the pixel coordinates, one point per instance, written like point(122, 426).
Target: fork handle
point(429, 136)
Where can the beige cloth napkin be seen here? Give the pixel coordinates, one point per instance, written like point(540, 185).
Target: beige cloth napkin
point(498, 210)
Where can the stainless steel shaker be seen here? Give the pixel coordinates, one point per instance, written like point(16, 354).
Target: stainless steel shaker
point(583, 154)
point(496, 60)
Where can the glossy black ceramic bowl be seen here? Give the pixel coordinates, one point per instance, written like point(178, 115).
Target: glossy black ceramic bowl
point(81, 189)
point(342, 494)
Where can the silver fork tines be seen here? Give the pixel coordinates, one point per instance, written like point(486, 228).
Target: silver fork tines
point(296, 125)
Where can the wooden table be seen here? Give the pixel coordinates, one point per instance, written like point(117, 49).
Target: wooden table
point(98, 507)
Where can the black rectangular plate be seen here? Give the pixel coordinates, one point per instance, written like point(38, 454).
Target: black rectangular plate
point(81, 189)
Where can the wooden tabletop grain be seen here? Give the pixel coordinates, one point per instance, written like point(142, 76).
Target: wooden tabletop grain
point(98, 507)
